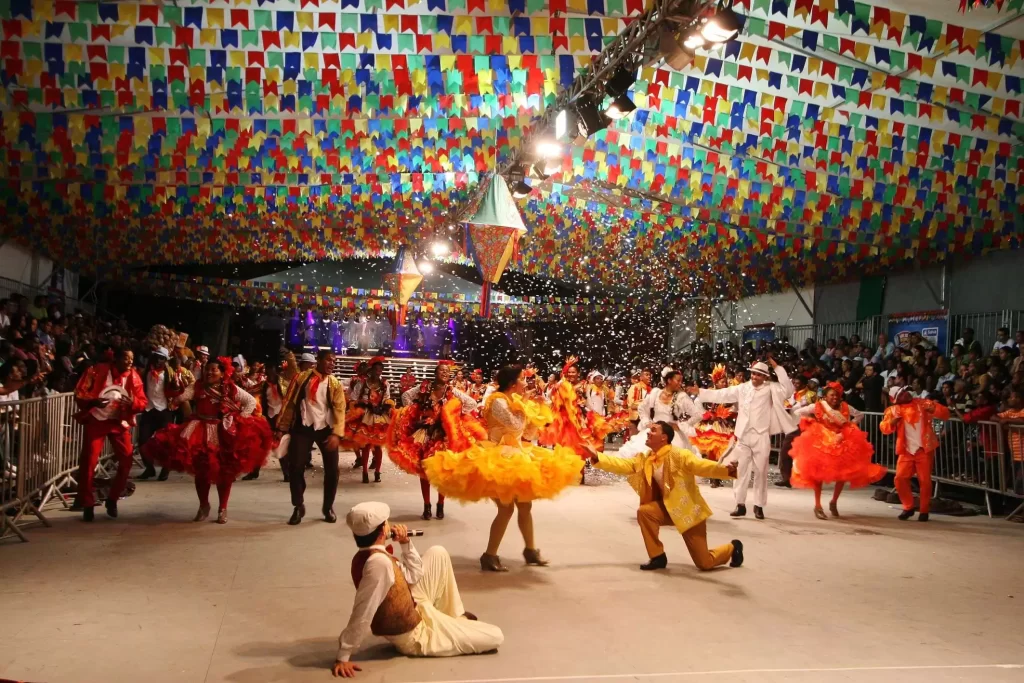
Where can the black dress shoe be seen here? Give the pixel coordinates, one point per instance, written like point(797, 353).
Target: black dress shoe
point(758, 512)
point(87, 514)
point(366, 477)
point(737, 553)
point(111, 509)
point(923, 517)
point(330, 517)
point(905, 515)
point(440, 511)
point(297, 514)
point(659, 562)
point(164, 473)
point(469, 615)
point(740, 511)
point(148, 474)
point(252, 475)
point(784, 484)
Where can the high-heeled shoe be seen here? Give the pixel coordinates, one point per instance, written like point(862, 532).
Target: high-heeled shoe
point(492, 563)
point(204, 512)
point(440, 511)
point(833, 508)
point(426, 512)
point(532, 556)
point(222, 517)
point(819, 513)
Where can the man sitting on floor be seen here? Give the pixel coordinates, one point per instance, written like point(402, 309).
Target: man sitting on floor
point(414, 603)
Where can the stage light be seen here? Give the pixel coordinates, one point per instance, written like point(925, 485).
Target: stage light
point(621, 81)
point(548, 149)
point(566, 124)
point(592, 119)
point(722, 27)
point(521, 189)
point(440, 249)
point(426, 267)
point(552, 166)
point(620, 108)
point(693, 41)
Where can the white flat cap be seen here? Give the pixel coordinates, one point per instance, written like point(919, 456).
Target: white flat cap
point(895, 391)
point(761, 368)
point(203, 350)
point(307, 358)
point(366, 517)
point(161, 352)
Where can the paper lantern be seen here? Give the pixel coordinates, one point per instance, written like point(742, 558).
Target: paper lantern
point(493, 232)
point(403, 281)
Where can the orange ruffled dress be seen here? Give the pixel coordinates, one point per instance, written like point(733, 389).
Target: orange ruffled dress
point(372, 414)
point(569, 428)
point(832, 448)
point(503, 467)
point(425, 426)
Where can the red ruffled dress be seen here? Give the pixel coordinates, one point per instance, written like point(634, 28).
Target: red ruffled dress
point(220, 440)
point(425, 426)
point(832, 448)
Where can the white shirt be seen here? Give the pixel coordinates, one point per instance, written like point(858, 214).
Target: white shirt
point(595, 400)
point(1001, 345)
point(760, 411)
point(156, 399)
point(915, 439)
point(274, 400)
point(378, 578)
point(314, 408)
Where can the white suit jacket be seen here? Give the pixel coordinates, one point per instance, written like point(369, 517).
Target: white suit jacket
point(742, 394)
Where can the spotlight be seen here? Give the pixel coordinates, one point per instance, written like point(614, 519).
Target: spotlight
point(426, 267)
point(722, 27)
point(620, 108)
point(592, 119)
point(675, 55)
point(693, 41)
point(566, 124)
point(522, 189)
point(538, 170)
point(548, 149)
point(621, 81)
point(552, 166)
point(440, 249)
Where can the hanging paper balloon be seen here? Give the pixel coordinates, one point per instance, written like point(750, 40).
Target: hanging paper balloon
point(403, 281)
point(494, 232)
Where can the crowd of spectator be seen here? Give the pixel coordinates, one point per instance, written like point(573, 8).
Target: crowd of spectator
point(44, 349)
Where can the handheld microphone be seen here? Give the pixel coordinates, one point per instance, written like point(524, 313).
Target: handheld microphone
point(411, 532)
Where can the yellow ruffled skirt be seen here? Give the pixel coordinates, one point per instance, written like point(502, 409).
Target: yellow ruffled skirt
point(508, 473)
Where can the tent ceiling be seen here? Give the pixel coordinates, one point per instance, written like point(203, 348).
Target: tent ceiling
point(833, 138)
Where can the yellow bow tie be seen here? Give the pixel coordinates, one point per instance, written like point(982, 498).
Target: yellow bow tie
point(653, 461)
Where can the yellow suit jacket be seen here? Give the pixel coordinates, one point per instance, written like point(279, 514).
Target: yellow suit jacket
point(335, 403)
point(680, 494)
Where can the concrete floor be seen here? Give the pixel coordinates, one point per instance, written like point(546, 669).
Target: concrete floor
point(151, 596)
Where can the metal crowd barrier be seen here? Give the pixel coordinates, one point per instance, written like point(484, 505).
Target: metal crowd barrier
point(970, 455)
point(39, 447)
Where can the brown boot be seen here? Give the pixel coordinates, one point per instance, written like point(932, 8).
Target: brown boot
point(492, 563)
point(532, 556)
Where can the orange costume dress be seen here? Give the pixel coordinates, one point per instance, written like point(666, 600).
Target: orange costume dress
point(831, 447)
point(715, 430)
point(424, 426)
point(916, 453)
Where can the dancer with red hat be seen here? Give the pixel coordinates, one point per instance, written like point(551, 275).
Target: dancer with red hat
point(911, 420)
point(434, 416)
point(371, 395)
point(831, 447)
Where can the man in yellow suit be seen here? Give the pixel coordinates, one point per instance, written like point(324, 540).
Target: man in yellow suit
point(664, 476)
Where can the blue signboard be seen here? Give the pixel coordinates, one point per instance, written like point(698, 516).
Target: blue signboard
point(931, 325)
point(758, 335)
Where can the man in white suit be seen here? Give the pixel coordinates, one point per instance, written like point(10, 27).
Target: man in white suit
point(762, 412)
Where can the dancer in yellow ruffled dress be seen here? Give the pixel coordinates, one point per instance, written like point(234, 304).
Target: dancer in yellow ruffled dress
point(504, 468)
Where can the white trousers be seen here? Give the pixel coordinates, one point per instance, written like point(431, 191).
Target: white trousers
point(443, 631)
point(751, 454)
